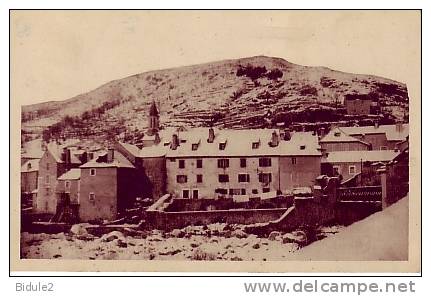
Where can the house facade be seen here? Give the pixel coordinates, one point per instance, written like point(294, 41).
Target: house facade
point(358, 104)
point(108, 185)
point(56, 160)
point(29, 176)
point(350, 163)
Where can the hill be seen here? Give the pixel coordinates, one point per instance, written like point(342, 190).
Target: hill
point(249, 92)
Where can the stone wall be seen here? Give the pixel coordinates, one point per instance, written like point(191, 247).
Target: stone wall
point(172, 220)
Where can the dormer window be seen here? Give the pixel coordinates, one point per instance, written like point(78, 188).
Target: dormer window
point(222, 146)
point(302, 147)
point(195, 147)
point(255, 145)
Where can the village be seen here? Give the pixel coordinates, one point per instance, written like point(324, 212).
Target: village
point(281, 185)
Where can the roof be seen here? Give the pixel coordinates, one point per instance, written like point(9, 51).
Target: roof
point(392, 134)
point(238, 143)
point(362, 155)
point(338, 135)
point(134, 150)
point(31, 165)
point(56, 151)
point(32, 149)
point(73, 174)
point(119, 161)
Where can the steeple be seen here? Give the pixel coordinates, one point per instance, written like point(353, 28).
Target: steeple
point(153, 119)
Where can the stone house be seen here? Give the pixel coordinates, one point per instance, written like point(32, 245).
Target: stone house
point(109, 184)
point(377, 137)
point(68, 185)
point(55, 161)
point(29, 176)
point(348, 164)
point(210, 163)
point(358, 104)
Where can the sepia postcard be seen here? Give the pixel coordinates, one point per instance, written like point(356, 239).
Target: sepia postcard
point(203, 141)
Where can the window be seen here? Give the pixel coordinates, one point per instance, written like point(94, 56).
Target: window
point(195, 193)
point(302, 147)
point(221, 191)
point(234, 191)
point(265, 177)
point(181, 163)
point(352, 170)
point(265, 162)
point(172, 159)
point(243, 178)
point(266, 189)
point(243, 162)
point(337, 134)
point(223, 163)
point(67, 184)
point(92, 172)
point(47, 191)
point(195, 147)
point(185, 193)
point(254, 191)
point(243, 192)
point(47, 179)
point(336, 170)
point(222, 146)
point(223, 178)
point(92, 197)
point(181, 178)
point(255, 145)
point(198, 178)
point(293, 160)
point(383, 148)
point(199, 163)
point(47, 166)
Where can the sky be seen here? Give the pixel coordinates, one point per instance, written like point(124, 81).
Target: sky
point(56, 55)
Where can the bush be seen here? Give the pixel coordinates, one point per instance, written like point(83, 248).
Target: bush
point(274, 74)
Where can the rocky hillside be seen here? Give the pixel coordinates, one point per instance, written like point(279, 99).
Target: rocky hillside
point(249, 92)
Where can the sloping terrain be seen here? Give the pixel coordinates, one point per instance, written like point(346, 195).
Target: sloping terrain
point(248, 92)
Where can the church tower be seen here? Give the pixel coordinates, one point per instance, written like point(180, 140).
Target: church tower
point(153, 119)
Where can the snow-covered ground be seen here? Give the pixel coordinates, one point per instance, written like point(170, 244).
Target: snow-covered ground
point(381, 236)
point(192, 243)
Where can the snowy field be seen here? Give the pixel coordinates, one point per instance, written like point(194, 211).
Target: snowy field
point(214, 242)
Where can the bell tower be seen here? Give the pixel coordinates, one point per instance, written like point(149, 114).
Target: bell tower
point(153, 119)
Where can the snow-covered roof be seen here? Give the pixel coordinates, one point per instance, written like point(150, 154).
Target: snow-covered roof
point(338, 135)
point(73, 174)
point(358, 156)
point(392, 132)
point(31, 165)
point(56, 151)
point(119, 161)
point(238, 143)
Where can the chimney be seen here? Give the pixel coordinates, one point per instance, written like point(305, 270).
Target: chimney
point(175, 142)
point(274, 139)
point(287, 135)
point(67, 160)
point(110, 155)
point(211, 135)
point(399, 126)
point(84, 157)
point(156, 138)
point(321, 131)
point(376, 124)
